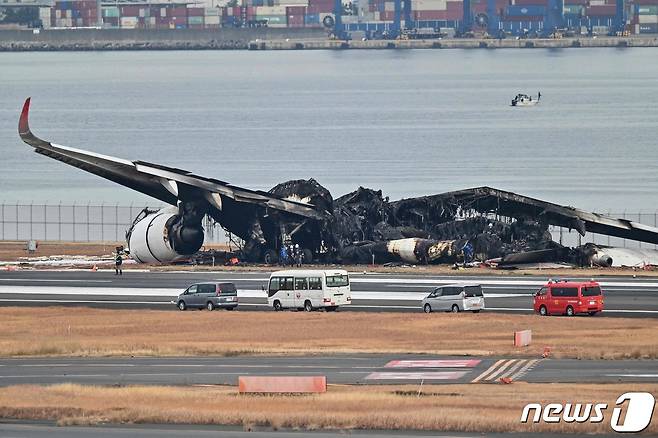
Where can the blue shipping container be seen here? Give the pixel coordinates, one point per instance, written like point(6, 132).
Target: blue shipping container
point(648, 28)
point(312, 19)
point(530, 10)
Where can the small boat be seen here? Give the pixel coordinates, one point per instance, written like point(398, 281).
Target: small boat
point(525, 100)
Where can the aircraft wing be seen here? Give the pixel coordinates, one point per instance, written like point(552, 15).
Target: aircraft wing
point(161, 182)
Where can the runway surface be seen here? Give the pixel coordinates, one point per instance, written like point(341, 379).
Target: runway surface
point(36, 430)
point(368, 369)
point(624, 296)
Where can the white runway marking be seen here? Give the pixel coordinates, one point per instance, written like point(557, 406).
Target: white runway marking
point(649, 376)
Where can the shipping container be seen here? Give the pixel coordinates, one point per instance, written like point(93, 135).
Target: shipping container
point(429, 5)
point(212, 12)
point(128, 22)
point(111, 11)
point(312, 19)
point(295, 21)
point(574, 9)
point(211, 19)
point(646, 9)
point(196, 12)
point(521, 11)
point(646, 2)
point(529, 2)
point(195, 20)
point(647, 19)
point(429, 15)
point(270, 10)
point(601, 11)
point(295, 10)
point(648, 28)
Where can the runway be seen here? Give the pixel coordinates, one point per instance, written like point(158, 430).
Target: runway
point(370, 369)
point(624, 296)
point(43, 430)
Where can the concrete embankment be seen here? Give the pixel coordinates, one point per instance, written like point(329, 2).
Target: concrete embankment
point(467, 43)
point(267, 39)
point(141, 39)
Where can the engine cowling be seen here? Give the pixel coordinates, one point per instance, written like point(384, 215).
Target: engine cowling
point(163, 237)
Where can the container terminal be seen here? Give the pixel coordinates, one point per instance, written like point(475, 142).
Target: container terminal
point(454, 23)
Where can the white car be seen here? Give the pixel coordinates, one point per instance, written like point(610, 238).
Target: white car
point(455, 298)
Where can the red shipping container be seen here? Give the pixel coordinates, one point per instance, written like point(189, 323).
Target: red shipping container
point(295, 21)
point(430, 15)
point(180, 21)
point(386, 15)
point(601, 11)
point(296, 10)
point(130, 11)
point(195, 12)
point(177, 12)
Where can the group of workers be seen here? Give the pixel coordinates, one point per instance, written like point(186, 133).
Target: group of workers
point(291, 255)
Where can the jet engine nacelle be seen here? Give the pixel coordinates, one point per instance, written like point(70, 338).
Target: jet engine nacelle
point(163, 237)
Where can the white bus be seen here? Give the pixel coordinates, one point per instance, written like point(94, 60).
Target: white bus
point(309, 289)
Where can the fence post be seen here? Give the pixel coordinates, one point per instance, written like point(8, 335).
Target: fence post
point(59, 221)
point(73, 221)
point(17, 220)
point(116, 220)
point(103, 221)
point(45, 221)
point(3, 220)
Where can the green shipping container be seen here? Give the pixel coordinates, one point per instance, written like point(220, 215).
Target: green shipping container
point(573, 9)
point(647, 9)
point(194, 20)
point(111, 12)
point(273, 19)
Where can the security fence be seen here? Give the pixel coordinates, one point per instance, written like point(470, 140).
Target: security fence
point(109, 223)
point(78, 222)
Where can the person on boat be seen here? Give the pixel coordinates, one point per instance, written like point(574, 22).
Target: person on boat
point(538, 95)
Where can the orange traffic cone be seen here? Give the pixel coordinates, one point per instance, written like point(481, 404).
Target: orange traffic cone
point(546, 353)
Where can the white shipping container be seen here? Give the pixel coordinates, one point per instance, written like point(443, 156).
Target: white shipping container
point(270, 10)
point(390, 6)
point(277, 25)
point(163, 12)
point(648, 19)
point(213, 12)
point(429, 5)
point(350, 19)
point(596, 2)
point(293, 3)
point(142, 12)
point(152, 21)
point(600, 30)
point(637, 29)
point(128, 22)
point(212, 19)
point(58, 14)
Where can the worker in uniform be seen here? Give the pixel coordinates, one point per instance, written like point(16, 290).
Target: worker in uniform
point(118, 261)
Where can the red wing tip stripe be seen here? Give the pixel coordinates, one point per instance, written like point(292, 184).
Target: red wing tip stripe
point(433, 363)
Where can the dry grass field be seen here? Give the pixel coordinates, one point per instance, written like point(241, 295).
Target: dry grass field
point(473, 408)
point(59, 331)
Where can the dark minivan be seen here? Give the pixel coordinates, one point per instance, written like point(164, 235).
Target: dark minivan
point(209, 295)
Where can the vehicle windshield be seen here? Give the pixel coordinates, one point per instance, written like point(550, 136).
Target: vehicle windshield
point(473, 291)
point(337, 280)
point(591, 291)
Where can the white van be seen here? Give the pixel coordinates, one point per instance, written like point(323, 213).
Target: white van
point(309, 289)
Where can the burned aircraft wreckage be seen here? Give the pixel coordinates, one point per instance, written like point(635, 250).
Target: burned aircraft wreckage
point(360, 227)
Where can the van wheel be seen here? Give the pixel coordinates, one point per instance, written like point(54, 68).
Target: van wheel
point(210, 306)
point(569, 311)
point(277, 306)
point(308, 307)
point(455, 308)
point(181, 305)
point(543, 311)
point(427, 308)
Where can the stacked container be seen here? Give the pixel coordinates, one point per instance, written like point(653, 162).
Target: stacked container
point(78, 13)
point(646, 16)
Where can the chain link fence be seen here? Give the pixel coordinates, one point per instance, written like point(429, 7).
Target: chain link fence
point(109, 223)
point(78, 222)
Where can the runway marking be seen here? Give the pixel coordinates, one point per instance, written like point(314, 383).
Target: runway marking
point(509, 368)
point(439, 363)
point(29, 280)
point(433, 375)
point(649, 376)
